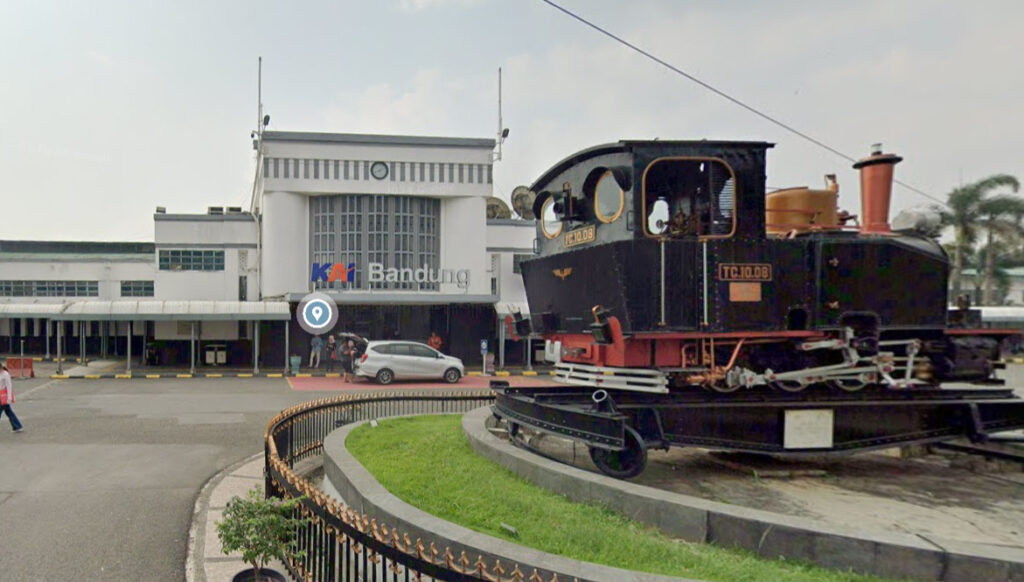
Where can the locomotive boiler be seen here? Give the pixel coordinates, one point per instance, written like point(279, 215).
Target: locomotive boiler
point(684, 304)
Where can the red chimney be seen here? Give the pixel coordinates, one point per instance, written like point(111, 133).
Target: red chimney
point(876, 189)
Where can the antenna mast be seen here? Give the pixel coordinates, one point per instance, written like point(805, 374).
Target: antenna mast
point(502, 132)
point(257, 140)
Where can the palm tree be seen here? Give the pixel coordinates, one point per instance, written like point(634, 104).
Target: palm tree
point(967, 205)
point(1001, 219)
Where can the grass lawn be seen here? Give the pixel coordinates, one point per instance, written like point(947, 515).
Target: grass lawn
point(427, 462)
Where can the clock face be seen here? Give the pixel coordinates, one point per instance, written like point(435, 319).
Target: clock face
point(379, 170)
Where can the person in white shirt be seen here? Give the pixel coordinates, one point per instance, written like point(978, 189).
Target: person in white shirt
point(7, 397)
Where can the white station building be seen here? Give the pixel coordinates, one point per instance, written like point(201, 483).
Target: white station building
point(394, 228)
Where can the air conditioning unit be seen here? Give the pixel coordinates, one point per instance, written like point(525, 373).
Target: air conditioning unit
point(215, 210)
point(234, 209)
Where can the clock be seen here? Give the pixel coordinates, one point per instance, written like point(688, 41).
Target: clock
point(379, 170)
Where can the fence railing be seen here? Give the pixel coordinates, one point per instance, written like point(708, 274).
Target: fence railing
point(340, 544)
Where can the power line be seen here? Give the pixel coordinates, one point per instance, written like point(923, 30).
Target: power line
point(725, 95)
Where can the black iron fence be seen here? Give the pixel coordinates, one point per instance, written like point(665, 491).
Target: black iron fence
point(339, 544)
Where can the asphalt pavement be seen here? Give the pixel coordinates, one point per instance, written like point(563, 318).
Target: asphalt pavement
point(101, 484)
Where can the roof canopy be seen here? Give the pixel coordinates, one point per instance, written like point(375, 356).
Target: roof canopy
point(45, 310)
point(151, 310)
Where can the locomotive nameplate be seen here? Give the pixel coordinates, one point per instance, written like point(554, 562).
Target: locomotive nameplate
point(580, 236)
point(744, 272)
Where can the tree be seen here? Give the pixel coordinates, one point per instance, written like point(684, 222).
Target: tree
point(968, 204)
point(1001, 219)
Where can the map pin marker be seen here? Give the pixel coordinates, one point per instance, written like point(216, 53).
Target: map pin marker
point(318, 312)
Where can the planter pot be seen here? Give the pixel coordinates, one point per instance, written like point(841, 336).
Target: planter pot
point(266, 575)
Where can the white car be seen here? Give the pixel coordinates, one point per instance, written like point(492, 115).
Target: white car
point(387, 361)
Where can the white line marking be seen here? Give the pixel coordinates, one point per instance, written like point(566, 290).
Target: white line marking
point(40, 387)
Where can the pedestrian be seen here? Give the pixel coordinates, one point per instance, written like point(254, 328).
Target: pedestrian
point(348, 349)
point(332, 352)
point(7, 397)
point(435, 341)
point(315, 348)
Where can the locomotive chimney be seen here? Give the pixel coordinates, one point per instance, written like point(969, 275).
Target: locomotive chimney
point(876, 189)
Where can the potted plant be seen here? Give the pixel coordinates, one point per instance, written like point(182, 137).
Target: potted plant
point(261, 529)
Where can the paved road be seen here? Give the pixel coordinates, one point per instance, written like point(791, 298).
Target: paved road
point(101, 484)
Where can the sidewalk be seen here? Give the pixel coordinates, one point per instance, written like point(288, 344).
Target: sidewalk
point(206, 561)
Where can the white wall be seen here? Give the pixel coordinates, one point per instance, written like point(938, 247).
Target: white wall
point(109, 275)
point(506, 241)
point(463, 232)
point(206, 330)
point(376, 152)
point(235, 235)
point(285, 250)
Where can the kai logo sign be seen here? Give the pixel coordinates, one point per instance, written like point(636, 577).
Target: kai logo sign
point(378, 273)
point(381, 274)
point(332, 272)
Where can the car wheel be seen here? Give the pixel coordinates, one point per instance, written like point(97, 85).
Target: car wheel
point(385, 376)
point(451, 375)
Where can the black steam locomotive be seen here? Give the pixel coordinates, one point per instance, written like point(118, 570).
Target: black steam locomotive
point(668, 257)
point(684, 305)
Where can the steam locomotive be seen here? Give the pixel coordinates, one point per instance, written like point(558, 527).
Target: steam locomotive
point(684, 305)
point(664, 264)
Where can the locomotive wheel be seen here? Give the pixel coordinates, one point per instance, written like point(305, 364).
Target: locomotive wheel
point(789, 385)
point(724, 388)
point(849, 384)
point(623, 464)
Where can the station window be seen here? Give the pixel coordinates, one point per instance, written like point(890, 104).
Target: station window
point(517, 262)
point(49, 289)
point(137, 289)
point(191, 260)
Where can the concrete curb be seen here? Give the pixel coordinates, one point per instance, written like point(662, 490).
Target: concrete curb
point(363, 493)
point(765, 533)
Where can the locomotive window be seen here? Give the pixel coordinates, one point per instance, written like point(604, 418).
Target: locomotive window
point(609, 199)
point(700, 194)
point(549, 222)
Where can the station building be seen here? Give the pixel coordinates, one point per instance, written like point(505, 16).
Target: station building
point(394, 228)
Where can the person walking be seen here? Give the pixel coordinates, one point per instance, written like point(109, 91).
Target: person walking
point(435, 341)
point(7, 397)
point(332, 352)
point(348, 349)
point(316, 347)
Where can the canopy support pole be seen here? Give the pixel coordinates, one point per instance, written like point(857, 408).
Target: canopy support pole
point(60, 358)
point(256, 348)
point(287, 349)
point(501, 343)
point(128, 350)
point(47, 338)
point(192, 349)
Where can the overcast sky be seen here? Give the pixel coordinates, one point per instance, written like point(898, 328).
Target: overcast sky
point(113, 108)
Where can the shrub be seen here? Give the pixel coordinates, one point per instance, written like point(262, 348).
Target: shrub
point(260, 528)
